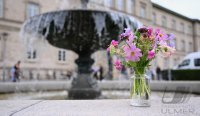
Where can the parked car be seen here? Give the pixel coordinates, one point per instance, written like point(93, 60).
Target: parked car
point(191, 61)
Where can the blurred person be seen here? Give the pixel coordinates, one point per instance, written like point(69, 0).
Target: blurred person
point(101, 73)
point(95, 71)
point(123, 74)
point(149, 73)
point(15, 72)
point(13, 78)
point(158, 73)
point(153, 74)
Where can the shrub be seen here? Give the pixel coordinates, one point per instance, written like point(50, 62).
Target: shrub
point(190, 74)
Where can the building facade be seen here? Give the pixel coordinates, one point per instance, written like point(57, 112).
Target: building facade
point(48, 62)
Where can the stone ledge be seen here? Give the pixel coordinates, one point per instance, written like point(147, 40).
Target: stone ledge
point(104, 85)
point(97, 108)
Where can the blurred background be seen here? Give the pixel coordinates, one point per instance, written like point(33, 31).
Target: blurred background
point(50, 64)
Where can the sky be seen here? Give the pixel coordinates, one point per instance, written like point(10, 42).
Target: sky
point(189, 8)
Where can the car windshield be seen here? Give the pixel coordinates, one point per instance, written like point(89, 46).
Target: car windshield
point(185, 63)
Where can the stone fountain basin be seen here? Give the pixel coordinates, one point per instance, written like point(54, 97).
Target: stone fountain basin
point(82, 31)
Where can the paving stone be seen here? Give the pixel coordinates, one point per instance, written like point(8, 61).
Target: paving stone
point(99, 108)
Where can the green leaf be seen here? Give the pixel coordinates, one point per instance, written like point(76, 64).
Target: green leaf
point(112, 50)
point(131, 63)
point(137, 34)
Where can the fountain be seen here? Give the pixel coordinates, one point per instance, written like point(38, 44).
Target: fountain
point(82, 31)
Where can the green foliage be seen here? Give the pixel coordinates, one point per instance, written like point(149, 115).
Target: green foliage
point(183, 74)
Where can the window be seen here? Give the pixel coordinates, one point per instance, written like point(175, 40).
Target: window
point(183, 45)
point(189, 29)
point(185, 63)
point(120, 4)
point(164, 21)
point(61, 55)
point(130, 6)
point(182, 27)
point(1, 8)
point(108, 3)
point(1, 50)
point(142, 10)
point(173, 24)
point(32, 9)
point(174, 43)
point(154, 18)
point(32, 54)
point(196, 62)
point(190, 47)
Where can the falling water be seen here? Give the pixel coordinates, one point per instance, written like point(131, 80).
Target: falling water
point(76, 26)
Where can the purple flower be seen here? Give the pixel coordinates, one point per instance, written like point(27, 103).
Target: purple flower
point(170, 40)
point(151, 54)
point(118, 64)
point(171, 37)
point(171, 44)
point(132, 53)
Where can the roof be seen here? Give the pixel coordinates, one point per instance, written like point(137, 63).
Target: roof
point(174, 13)
point(193, 55)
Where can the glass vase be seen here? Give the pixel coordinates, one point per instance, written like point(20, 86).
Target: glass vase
point(140, 88)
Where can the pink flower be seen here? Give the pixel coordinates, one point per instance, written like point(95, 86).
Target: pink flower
point(160, 35)
point(167, 50)
point(151, 54)
point(130, 40)
point(118, 64)
point(114, 43)
point(150, 31)
point(108, 49)
point(128, 34)
point(132, 53)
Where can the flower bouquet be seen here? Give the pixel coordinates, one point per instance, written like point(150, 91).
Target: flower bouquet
point(136, 50)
